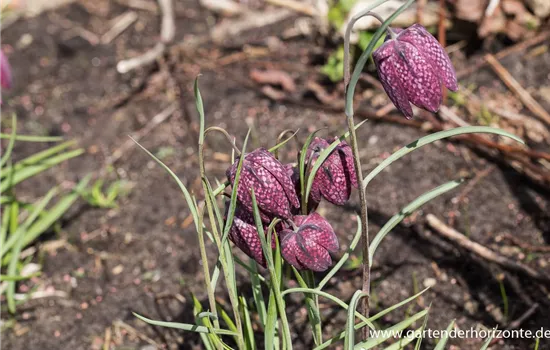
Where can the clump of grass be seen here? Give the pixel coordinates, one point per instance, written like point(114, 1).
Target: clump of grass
point(22, 222)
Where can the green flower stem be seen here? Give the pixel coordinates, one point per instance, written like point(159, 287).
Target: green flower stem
point(209, 205)
point(350, 89)
point(206, 271)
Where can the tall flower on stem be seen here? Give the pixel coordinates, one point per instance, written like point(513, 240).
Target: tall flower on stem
point(412, 67)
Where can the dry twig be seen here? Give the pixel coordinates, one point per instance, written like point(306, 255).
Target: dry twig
point(480, 250)
point(155, 121)
point(516, 87)
point(166, 33)
point(297, 6)
point(120, 24)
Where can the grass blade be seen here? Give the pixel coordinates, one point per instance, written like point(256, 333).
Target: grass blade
point(423, 141)
point(38, 157)
point(247, 325)
point(32, 138)
point(349, 339)
point(19, 238)
point(188, 198)
point(184, 326)
point(408, 210)
point(23, 172)
point(405, 341)
point(443, 341)
point(256, 285)
point(390, 332)
point(361, 324)
point(13, 135)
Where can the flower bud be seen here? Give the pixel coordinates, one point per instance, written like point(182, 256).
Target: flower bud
point(336, 176)
point(412, 68)
point(309, 245)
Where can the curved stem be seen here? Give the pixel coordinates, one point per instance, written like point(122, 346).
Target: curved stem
point(351, 23)
point(226, 134)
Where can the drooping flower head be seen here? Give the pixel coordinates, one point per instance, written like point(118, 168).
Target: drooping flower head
point(336, 176)
point(5, 73)
point(244, 235)
point(273, 188)
point(308, 246)
point(412, 68)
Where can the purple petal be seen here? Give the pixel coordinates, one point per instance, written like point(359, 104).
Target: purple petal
point(304, 253)
point(317, 228)
point(5, 72)
point(270, 163)
point(245, 236)
point(346, 155)
point(422, 85)
point(390, 67)
point(434, 53)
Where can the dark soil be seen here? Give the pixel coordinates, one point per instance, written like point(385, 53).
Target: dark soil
point(66, 86)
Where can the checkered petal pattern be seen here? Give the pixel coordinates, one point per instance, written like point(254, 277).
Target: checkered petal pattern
point(413, 67)
point(310, 245)
point(273, 187)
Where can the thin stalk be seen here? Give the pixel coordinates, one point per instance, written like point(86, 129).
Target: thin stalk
point(206, 269)
point(351, 83)
point(364, 221)
point(209, 205)
point(315, 317)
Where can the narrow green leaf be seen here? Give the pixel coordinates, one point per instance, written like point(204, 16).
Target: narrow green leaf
point(349, 339)
point(256, 285)
point(487, 342)
point(362, 324)
point(398, 345)
point(55, 213)
point(390, 332)
point(17, 278)
point(248, 330)
point(302, 163)
point(32, 138)
point(443, 341)
point(19, 242)
point(408, 210)
point(330, 297)
point(184, 326)
point(188, 198)
point(200, 109)
point(37, 157)
point(9, 149)
point(423, 141)
point(23, 173)
point(275, 280)
point(225, 317)
point(419, 339)
point(282, 143)
point(271, 322)
point(233, 200)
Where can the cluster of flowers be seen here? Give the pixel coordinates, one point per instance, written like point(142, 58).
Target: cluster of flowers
point(306, 240)
point(413, 68)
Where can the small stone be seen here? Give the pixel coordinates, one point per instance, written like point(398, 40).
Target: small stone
point(429, 282)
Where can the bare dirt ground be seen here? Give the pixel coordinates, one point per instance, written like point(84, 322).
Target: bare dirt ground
point(143, 256)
